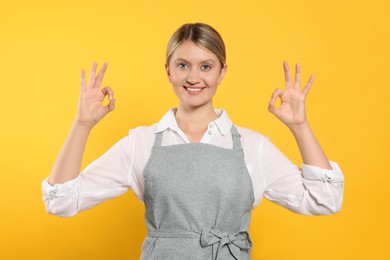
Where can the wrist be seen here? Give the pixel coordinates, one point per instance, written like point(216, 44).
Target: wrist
point(82, 125)
point(300, 129)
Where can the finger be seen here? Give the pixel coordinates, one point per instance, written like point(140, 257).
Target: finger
point(111, 105)
point(277, 93)
point(306, 89)
point(271, 106)
point(273, 109)
point(108, 91)
point(93, 75)
point(297, 81)
point(99, 78)
point(287, 75)
point(82, 80)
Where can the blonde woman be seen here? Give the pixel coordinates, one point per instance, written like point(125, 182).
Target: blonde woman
point(198, 174)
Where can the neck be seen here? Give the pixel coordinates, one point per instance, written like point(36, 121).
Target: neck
point(195, 120)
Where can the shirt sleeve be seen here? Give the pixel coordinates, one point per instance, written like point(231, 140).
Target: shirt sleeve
point(105, 178)
point(309, 191)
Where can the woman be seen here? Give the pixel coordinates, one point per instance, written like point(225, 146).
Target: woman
point(198, 174)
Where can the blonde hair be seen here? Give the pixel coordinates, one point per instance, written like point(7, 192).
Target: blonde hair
point(202, 35)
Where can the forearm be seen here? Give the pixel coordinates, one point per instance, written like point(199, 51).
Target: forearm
point(309, 147)
point(68, 162)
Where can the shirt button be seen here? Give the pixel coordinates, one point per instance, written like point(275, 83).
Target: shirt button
point(328, 178)
point(210, 132)
point(52, 193)
point(211, 125)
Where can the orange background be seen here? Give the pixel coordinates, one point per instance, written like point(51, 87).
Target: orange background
point(44, 44)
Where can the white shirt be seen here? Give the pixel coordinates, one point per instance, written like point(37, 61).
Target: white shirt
point(310, 191)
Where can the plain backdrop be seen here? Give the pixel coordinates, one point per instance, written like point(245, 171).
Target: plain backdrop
point(44, 45)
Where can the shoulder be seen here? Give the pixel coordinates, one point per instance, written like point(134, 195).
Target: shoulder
point(141, 140)
point(251, 136)
point(143, 130)
point(143, 134)
point(252, 142)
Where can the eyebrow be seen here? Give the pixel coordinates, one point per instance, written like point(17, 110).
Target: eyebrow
point(205, 61)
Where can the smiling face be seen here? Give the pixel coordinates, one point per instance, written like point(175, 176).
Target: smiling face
point(194, 73)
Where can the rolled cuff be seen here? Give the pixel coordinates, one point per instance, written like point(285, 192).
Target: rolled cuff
point(310, 172)
point(59, 190)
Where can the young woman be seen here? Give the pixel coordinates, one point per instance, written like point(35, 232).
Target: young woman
point(198, 174)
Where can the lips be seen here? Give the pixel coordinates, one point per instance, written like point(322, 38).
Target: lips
point(193, 90)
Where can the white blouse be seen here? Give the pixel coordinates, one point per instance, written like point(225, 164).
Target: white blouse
point(310, 191)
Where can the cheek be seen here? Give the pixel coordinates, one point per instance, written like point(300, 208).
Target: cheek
point(176, 81)
point(177, 78)
point(213, 79)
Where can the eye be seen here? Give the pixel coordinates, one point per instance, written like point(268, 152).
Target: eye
point(182, 66)
point(205, 67)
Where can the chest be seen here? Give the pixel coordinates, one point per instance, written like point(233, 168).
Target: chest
point(193, 174)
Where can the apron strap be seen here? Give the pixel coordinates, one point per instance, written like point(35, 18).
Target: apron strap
point(157, 141)
point(236, 138)
point(222, 244)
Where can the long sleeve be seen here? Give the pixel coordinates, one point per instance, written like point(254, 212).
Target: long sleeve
point(310, 191)
point(107, 177)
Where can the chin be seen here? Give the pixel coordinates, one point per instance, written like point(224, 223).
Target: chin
point(195, 105)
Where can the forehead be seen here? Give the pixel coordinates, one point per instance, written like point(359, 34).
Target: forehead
point(189, 51)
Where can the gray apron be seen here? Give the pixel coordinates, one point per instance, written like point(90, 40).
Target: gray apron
point(198, 202)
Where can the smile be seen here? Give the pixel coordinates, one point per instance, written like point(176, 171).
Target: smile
point(193, 90)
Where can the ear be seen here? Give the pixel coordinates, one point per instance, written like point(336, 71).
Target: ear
point(223, 72)
point(167, 70)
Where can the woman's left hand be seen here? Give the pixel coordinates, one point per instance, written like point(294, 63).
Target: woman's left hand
point(292, 110)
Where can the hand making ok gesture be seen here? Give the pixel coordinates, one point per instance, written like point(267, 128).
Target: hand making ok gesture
point(91, 109)
point(292, 109)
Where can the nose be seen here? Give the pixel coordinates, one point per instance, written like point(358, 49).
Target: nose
point(193, 77)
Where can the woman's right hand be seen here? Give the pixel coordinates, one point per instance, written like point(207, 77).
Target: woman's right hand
point(91, 109)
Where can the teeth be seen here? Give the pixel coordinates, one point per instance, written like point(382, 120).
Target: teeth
point(194, 89)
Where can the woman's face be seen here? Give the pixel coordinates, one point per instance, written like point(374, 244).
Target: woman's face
point(194, 73)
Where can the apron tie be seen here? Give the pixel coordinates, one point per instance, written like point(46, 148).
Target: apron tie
point(221, 241)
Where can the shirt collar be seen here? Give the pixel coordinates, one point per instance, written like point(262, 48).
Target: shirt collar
point(223, 122)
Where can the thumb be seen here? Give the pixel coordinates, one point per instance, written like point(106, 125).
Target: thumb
point(110, 106)
point(271, 107)
point(275, 95)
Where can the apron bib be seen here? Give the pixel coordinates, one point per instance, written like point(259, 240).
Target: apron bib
point(198, 202)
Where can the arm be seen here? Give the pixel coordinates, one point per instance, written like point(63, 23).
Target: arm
point(292, 114)
point(319, 189)
point(90, 112)
point(310, 191)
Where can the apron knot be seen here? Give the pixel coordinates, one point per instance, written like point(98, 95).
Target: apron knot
point(223, 242)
